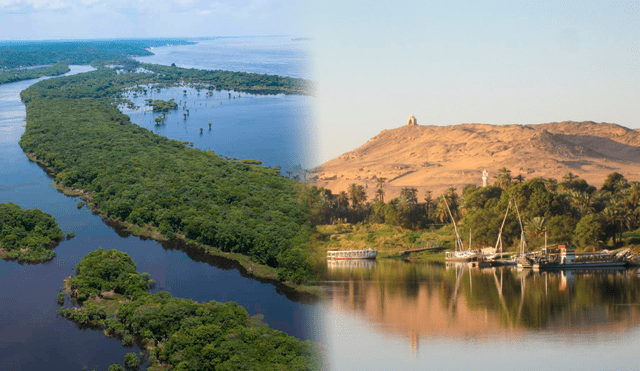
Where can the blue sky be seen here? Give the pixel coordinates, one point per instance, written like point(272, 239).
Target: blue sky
point(40, 19)
point(377, 62)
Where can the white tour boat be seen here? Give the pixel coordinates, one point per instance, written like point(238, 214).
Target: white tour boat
point(351, 254)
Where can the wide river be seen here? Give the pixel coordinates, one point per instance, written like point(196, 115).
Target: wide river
point(386, 315)
point(34, 337)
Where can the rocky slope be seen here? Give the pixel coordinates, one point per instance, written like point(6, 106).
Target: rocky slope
point(438, 157)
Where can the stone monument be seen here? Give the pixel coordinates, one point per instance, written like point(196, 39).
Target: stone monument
point(411, 121)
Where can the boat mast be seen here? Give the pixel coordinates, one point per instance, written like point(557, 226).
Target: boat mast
point(523, 243)
point(455, 228)
point(499, 241)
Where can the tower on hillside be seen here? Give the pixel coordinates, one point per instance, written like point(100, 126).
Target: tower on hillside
point(485, 176)
point(411, 121)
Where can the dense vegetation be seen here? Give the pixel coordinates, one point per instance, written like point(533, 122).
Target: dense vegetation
point(178, 334)
point(138, 177)
point(26, 234)
point(33, 53)
point(32, 73)
point(159, 105)
point(570, 211)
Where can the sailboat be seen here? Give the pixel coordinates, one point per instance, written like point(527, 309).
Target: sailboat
point(460, 254)
point(497, 256)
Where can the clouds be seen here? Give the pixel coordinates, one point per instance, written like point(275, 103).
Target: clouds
point(41, 19)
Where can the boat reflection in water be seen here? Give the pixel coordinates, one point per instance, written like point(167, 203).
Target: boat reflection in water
point(395, 300)
point(351, 264)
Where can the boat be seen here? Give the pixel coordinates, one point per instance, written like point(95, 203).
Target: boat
point(351, 254)
point(569, 259)
point(460, 255)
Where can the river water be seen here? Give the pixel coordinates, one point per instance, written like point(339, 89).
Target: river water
point(397, 315)
point(386, 315)
point(34, 337)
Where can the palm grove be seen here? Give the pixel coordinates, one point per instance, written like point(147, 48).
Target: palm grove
point(569, 211)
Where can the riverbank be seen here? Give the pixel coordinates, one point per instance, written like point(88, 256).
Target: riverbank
point(113, 296)
point(243, 263)
point(11, 76)
point(392, 242)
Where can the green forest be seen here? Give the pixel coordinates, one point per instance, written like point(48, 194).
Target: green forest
point(34, 53)
point(27, 235)
point(177, 334)
point(32, 73)
point(570, 211)
point(132, 175)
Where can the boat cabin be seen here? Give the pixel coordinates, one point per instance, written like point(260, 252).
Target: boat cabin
point(567, 254)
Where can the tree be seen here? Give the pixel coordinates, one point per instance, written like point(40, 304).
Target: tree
point(503, 178)
point(380, 183)
point(411, 194)
point(569, 177)
point(589, 231)
point(357, 195)
point(519, 179)
point(615, 182)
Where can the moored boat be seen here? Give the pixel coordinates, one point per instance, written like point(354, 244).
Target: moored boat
point(569, 259)
point(351, 254)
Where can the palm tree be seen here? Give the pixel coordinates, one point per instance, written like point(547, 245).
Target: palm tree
point(380, 182)
point(535, 226)
point(503, 178)
point(569, 177)
point(411, 194)
point(342, 200)
point(357, 195)
point(519, 179)
point(582, 202)
point(428, 204)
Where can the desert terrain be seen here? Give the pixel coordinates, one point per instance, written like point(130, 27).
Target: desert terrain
point(438, 157)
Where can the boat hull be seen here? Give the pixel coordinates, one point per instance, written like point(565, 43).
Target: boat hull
point(352, 254)
point(594, 265)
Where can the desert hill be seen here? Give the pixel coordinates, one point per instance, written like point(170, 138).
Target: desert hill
point(437, 157)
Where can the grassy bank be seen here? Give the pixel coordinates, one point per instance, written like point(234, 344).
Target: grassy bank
point(390, 241)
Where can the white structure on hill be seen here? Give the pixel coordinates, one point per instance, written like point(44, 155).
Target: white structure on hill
point(485, 176)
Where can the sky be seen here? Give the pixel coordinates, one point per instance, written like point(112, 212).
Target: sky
point(40, 19)
point(377, 62)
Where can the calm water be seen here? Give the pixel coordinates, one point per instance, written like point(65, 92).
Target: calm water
point(33, 337)
point(404, 316)
point(276, 55)
point(270, 128)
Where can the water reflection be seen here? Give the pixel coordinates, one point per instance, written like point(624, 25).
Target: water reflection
point(458, 301)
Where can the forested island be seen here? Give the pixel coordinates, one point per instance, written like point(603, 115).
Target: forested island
point(570, 211)
point(34, 53)
point(32, 73)
point(159, 188)
point(176, 333)
point(27, 235)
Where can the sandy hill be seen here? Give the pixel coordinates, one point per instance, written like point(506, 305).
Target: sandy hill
point(438, 157)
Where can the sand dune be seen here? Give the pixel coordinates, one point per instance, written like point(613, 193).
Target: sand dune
point(437, 157)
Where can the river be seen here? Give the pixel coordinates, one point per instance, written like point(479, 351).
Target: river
point(399, 315)
point(386, 315)
point(33, 336)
